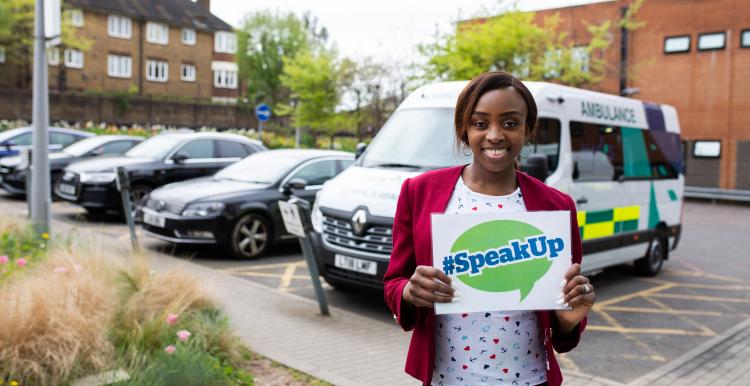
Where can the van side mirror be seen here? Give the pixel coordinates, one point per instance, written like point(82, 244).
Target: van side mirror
point(293, 184)
point(361, 147)
point(536, 166)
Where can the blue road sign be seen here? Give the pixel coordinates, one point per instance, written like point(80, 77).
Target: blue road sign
point(263, 112)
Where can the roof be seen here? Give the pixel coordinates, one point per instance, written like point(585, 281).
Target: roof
point(179, 12)
point(304, 154)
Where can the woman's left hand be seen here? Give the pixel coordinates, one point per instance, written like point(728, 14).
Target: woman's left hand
point(579, 294)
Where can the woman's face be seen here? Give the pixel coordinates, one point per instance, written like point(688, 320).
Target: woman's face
point(497, 128)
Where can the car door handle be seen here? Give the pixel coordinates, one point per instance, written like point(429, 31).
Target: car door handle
point(582, 200)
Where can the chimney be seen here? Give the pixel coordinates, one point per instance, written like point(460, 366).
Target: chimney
point(205, 4)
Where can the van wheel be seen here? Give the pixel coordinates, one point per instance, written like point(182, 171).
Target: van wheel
point(251, 236)
point(650, 265)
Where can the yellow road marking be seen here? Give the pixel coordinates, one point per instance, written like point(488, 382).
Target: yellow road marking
point(637, 330)
point(286, 279)
point(680, 272)
point(703, 298)
point(662, 311)
point(665, 307)
point(264, 266)
point(265, 274)
point(645, 292)
point(723, 287)
point(628, 333)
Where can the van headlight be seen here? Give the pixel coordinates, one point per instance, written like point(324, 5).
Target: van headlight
point(316, 217)
point(97, 177)
point(203, 209)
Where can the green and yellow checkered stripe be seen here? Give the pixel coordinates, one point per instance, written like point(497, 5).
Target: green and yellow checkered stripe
point(603, 223)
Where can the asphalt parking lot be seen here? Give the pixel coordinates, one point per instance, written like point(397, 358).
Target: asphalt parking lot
point(638, 324)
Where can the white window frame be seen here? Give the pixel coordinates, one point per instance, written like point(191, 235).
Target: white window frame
point(53, 56)
point(119, 27)
point(580, 54)
point(745, 38)
point(157, 70)
point(119, 66)
point(225, 79)
point(73, 58)
point(2, 54)
point(707, 149)
point(76, 17)
point(157, 33)
point(187, 72)
point(712, 41)
point(188, 36)
point(678, 44)
point(225, 42)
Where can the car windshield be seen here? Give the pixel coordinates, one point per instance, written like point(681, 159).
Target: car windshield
point(5, 135)
point(416, 138)
point(84, 146)
point(155, 147)
point(264, 167)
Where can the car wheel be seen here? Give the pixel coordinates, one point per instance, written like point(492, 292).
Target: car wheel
point(138, 194)
point(651, 264)
point(251, 236)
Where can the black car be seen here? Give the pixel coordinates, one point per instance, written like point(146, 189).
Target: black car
point(13, 173)
point(238, 206)
point(14, 140)
point(159, 160)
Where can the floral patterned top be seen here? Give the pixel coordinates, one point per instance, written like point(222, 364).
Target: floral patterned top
point(488, 348)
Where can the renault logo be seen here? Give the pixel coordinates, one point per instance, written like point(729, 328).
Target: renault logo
point(359, 222)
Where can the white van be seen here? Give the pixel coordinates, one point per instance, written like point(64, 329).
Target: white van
point(618, 158)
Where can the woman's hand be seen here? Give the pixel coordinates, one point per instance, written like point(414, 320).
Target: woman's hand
point(579, 294)
point(427, 286)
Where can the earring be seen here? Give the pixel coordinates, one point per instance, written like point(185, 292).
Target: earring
point(463, 150)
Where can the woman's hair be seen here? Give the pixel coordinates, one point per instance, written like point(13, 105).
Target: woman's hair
point(493, 80)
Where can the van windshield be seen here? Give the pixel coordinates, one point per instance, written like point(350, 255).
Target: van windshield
point(416, 138)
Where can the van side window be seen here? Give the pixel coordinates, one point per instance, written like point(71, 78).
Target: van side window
point(597, 152)
point(664, 153)
point(545, 140)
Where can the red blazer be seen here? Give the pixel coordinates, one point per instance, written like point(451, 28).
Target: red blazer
point(412, 245)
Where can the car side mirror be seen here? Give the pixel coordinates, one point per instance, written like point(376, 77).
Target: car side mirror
point(361, 147)
point(179, 158)
point(536, 166)
point(293, 184)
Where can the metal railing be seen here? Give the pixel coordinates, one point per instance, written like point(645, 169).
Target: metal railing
point(717, 194)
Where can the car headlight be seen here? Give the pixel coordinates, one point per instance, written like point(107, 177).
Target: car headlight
point(316, 217)
point(204, 209)
point(98, 177)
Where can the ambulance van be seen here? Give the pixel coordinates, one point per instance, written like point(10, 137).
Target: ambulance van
point(618, 158)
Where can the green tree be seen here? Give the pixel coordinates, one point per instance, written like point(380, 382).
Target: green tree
point(265, 40)
point(313, 79)
point(513, 42)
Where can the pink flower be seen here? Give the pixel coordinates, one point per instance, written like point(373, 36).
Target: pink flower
point(61, 269)
point(183, 335)
point(170, 349)
point(3, 259)
point(171, 319)
point(21, 262)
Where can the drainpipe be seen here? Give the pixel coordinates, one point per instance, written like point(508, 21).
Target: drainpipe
point(624, 55)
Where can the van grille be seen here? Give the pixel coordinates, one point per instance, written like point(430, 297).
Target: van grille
point(377, 239)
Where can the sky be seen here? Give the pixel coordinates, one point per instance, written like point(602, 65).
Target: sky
point(387, 30)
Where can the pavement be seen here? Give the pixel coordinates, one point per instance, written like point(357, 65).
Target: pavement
point(346, 348)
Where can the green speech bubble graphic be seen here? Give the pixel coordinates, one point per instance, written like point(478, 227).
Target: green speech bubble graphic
point(521, 275)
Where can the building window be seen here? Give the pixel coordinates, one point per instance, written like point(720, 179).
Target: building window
point(677, 44)
point(118, 26)
point(745, 38)
point(225, 42)
point(225, 79)
point(76, 17)
point(2, 54)
point(157, 33)
point(712, 41)
point(119, 66)
point(157, 71)
point(73, 58)
point(707, 149)
point(187, 72)
point(53, 56)
point(580, 56)
point(188, 36)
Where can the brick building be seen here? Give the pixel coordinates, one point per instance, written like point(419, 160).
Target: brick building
point(171, 48)
point(692, 54)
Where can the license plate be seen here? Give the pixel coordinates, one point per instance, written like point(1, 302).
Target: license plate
point(153, 219)
point(356, 265)
point(67, 189)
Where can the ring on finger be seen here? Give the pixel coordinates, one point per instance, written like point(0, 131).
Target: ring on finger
point(586, 288)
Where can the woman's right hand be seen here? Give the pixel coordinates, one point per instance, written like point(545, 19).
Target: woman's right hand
point(427, 286)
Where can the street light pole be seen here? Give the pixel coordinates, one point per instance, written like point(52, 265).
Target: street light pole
point(39, 195)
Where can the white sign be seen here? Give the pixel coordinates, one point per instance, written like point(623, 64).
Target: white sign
point(292, 220)
point(502, 261)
